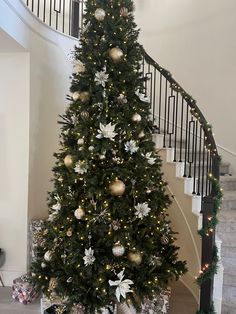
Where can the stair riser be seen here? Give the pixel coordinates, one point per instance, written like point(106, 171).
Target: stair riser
point(228, 186)
point(226, 309)
point(229, 295)
point(229, 252)
point(228, 239)
point(229, 280)
point(229, 204)
point(224, 169)
point(226, 227)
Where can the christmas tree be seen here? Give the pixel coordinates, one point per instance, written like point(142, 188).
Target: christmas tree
point(107, 238)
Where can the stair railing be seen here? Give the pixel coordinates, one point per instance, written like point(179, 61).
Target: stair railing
point(65, 16)
point(184, 128)
point(176, 117)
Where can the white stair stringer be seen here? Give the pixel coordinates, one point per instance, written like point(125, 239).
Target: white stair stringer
point(184, 214)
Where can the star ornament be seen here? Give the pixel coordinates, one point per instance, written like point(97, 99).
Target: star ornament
point(123, 286)
point(107, 131)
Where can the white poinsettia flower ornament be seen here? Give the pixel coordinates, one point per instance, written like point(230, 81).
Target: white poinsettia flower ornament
point(101, 77)
point(131, 147)
point(142, 210)
point(89, 257)
point(107, 131)
point(123, 286)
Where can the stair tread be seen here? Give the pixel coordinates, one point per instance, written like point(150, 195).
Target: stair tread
point(227, 178)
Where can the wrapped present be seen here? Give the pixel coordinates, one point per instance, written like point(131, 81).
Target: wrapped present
point(158, 305)
point(23, 291)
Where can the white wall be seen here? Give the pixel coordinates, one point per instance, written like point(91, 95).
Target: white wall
point(194, 39)
point(14, 161)
point(29, 138)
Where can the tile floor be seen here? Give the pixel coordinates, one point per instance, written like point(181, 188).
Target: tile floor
point(181, 302)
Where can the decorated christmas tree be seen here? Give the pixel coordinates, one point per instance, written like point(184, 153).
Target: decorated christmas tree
point(107, 239)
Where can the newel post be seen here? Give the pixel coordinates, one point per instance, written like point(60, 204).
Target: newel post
point(208, 243)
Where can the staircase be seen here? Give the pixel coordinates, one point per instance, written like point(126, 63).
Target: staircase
point(226, 231)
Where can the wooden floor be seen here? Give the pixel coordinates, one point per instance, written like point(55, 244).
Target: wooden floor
point(181, 302)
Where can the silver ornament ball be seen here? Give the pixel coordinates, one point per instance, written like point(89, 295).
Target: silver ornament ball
point(79, 213)
point(75, 96)
point(136, 117)
point(118, 249)
point(100, 14)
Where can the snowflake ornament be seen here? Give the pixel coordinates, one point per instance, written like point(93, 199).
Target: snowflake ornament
point(123, 286)
point(131, 147)
point(89, 257)
point(107, 131)
point(81, 167)
point(142, 210)
point(101, 77)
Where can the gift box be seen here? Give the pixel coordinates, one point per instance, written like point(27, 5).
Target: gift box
point(159, 305)
point(23, 291)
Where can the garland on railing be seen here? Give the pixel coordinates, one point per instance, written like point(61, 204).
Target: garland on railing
point(213, 220)
point(208, 271)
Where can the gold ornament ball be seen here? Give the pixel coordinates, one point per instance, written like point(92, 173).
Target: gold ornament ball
point(117, 188)
point(135, 257)
point(164, 240)
point(53, 284)
point(136, 117)
point(75, 96)
point(84, 96)
point(116, 54)
point(68, 161)
point(48, 256)
point(79, 213)
point(118, 249)
point(100, 14)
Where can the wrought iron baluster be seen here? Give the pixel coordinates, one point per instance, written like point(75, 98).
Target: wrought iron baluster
point(165, 120)
point(199, 162)
point(186, 142)
point(176, 125)
point(195, 158)
point(160, 101)
point(181, 129)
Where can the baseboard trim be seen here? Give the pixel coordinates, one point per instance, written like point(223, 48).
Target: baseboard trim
point(9, 276)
